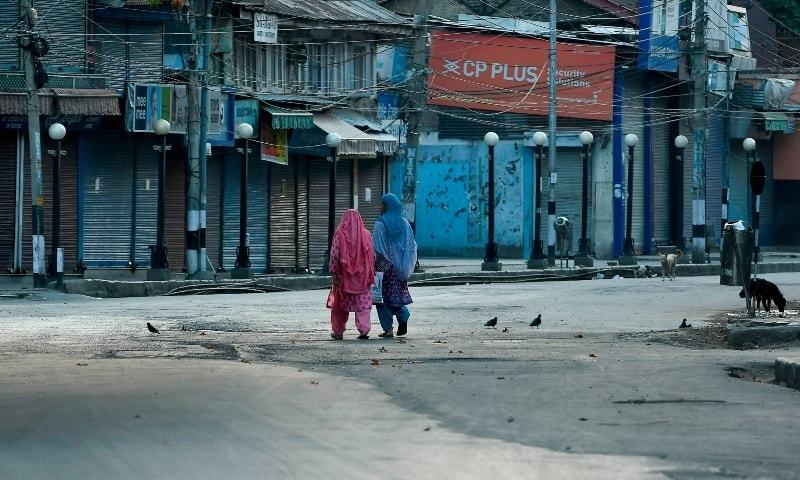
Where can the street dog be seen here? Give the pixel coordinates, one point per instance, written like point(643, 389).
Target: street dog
point(668, 263)
point(764, 293)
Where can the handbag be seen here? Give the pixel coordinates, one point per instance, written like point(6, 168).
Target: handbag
point(377, 288)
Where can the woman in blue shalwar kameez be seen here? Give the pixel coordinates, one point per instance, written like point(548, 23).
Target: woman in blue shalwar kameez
point(396, 255)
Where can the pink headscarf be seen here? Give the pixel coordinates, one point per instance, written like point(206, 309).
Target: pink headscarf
point(355, 262)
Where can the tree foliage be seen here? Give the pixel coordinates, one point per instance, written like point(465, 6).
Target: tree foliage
point(785, 11)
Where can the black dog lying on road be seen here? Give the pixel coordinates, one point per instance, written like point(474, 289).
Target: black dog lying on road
point(764, 292)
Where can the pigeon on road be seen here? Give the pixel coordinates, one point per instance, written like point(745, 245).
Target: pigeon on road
point(151, 328)
point(536, 321)
point(685, 325)
point(491, 323)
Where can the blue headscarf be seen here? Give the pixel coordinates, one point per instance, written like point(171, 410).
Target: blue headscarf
point(393, 237)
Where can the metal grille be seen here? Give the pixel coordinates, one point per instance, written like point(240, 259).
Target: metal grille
point(175, 208)
point(282, 217)
point(8, 175)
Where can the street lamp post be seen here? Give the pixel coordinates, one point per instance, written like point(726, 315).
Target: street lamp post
point(242, 265)
point(57, 132)
point(490, 261)
point(333, 140)
point(680, 242)
point(628, 254)
point(583, 257)
point(758, 178)
point(537, 259)
point(159, 265)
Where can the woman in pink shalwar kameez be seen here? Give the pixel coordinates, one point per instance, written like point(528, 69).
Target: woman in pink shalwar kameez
point(352, 265)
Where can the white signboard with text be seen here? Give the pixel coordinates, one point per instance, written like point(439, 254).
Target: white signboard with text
point(265, 28)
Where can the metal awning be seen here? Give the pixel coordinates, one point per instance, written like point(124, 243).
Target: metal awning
point(284, 118)
point(64, 101)
point(355, 143)
point(778, 122)
point(385, 142)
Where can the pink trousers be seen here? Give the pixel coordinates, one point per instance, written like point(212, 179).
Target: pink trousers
point(339, 320)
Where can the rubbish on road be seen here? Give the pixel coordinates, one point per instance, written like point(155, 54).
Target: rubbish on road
point(374, 361)
point(225, 287)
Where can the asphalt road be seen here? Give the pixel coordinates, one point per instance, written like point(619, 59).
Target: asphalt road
point(255, 385)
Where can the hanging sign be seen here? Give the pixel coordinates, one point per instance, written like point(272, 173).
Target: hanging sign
point(265, 28)
point(146, 104)
point(273, 144)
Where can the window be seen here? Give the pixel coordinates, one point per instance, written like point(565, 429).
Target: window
point(258, 66)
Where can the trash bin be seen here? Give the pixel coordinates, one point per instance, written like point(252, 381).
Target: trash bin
point(736, 235)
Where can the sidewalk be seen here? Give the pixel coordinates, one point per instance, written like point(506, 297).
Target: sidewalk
point(436, 271)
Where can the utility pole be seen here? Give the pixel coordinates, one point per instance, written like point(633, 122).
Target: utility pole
point(28, 17)
point(200, 272)
point(552, 138)
point(699, 124)
point(193, 141)
point(417, 101)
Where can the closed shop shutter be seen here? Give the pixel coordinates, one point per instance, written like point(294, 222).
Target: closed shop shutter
point(9, 53)
point(632, 108)
point(145, 197)
point(108, 200)
point(8, 180)
point(370, 190)
point(715, 146)
point(738, 202)
point(301, 220)
point(213, 210)
point(256, 211)
point(63, 22)
point(175, 210)
point(282, 217)
point(318, 203)
point(661, 181)
point(68, 236)
point(569, 166)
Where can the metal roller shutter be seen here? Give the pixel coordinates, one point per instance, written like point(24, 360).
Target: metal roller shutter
point(146, 52)
point(318, 203)
point(661, 181)
point(8, 188)
point(766, 228)
point(9, 52)
point(145, 199)
point(301, 220)
point(569, 166)
point(370, 190)
point(738, 202)
point(175, 210)
point(112, 54)
point(213, 210)
point(282, 215)
point(63, 22)
point(632, 108)
point(107, 200)
point(256, 211)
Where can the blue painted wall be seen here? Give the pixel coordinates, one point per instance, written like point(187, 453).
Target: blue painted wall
point(452, 204)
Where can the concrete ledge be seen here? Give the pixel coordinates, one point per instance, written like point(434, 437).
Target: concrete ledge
point(747, 336)
point(787, 370)
point(139, 288)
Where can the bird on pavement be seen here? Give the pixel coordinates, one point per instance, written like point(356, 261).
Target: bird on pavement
point(151, 328)
point(685, 325)
point(536, 321)
point(491, 323)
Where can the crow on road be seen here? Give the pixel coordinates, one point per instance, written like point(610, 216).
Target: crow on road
point(536, 321)
point(151, 328)
point(491, 323)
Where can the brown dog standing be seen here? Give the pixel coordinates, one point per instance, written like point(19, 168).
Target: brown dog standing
point(668, 263)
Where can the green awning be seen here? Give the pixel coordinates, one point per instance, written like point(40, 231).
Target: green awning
point(778, 122)
point(284, 118)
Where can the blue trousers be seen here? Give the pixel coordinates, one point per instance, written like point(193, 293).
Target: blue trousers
point(386, 312)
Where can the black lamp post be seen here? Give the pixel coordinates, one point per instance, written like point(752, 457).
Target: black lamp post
point(490, 261)
point(159, 265)
point(57, 132)
point(333, 140)
point(242, 266)
point(584, 249)
point(680, 242)
point(628, 254)
point(758, 179)
point(537, 259)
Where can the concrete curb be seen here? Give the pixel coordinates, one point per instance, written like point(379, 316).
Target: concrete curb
point(123, 288)
point(787, 370)
point(749, 336)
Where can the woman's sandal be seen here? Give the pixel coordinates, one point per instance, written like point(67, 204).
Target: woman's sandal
point(386, 334)
point(337, 337)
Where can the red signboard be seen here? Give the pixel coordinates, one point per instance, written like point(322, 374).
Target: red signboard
point(510, 74)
